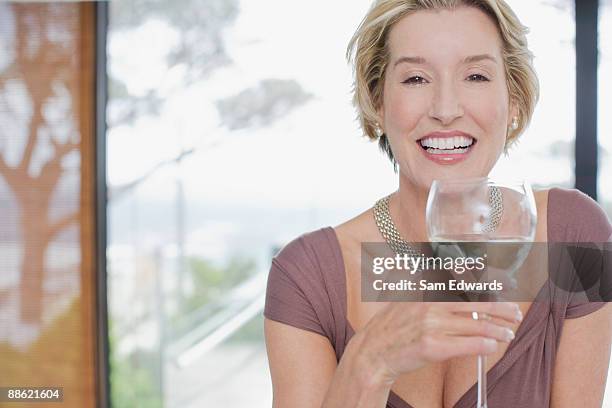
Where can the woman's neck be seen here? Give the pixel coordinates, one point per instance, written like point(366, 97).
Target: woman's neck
point(407, 207)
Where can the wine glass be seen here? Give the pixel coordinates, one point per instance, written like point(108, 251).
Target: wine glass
point(466, 215)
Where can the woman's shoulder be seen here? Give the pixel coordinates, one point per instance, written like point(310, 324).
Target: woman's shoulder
point(306, 248)
point(361, 228)
point(317, 258)
point(574, 216)
point(305, 282)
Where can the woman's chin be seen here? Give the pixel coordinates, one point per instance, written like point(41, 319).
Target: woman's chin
point(430, 174)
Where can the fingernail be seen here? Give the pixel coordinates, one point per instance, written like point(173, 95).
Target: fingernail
point(519, 316)
point(509, 334)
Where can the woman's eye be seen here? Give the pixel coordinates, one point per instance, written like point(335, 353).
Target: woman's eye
point(478, 78)
point(415, 80)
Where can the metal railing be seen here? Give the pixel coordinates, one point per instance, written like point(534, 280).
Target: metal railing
point(238, 307)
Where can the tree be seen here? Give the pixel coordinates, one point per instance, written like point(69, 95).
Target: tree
point(40, 71)
point(201, 49)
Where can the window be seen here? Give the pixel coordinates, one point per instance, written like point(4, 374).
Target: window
point(548, 143)
point(227, 139)
point(605, 104)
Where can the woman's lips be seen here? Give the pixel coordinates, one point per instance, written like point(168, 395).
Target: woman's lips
point(446, 154)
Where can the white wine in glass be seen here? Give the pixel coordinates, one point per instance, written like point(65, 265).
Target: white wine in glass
point(500, 215)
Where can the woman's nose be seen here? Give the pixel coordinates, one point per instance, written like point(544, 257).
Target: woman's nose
point(446, 105)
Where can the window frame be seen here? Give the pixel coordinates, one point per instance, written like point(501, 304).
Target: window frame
point(587, 46)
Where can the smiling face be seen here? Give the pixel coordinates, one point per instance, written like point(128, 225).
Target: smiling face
point(446, 108)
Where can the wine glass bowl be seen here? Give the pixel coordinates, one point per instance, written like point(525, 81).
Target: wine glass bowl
point(499, 214)
point(480, 209)
point(469, 217)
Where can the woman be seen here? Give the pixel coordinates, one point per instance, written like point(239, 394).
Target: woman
point(445, 86)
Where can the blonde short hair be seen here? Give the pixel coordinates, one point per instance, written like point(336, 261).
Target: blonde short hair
point(368, 51)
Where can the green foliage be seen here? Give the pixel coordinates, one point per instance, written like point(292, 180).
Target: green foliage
point(252, 332)
point(212, 282)
point(199, 23)
point(132, 383)
point(200, 48)
point(135, 378)
point(263, 104)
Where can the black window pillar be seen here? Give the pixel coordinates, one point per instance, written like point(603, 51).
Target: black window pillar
point(586, 96)
point(103, 383)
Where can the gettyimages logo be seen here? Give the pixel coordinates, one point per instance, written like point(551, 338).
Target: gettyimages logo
point(412, 264)
point(487, 271)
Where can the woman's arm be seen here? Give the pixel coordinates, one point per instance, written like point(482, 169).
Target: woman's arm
point(303, 366)
point(582, 361)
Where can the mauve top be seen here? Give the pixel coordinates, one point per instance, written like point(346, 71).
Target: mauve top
point(307, 289)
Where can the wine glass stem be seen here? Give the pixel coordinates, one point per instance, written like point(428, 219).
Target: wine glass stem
point(482, 382)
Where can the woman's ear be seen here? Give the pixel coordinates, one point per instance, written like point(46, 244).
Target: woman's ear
point(513, 112)
point(381, 115)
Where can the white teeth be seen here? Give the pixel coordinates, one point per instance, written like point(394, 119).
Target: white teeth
point(444, 151)
point(464, 141)
point(447, 142)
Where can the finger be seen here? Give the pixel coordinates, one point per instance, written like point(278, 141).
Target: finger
point(462, 326)
point(441, 348)
point(503, 310)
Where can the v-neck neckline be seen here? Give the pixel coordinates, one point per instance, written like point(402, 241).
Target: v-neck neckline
point(492, 373)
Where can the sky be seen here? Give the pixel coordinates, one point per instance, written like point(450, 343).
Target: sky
point(315, 156)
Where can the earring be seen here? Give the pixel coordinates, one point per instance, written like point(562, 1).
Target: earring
point(514, 124)
point(379, 132)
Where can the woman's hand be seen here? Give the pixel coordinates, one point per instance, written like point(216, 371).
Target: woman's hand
point(406, 336)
